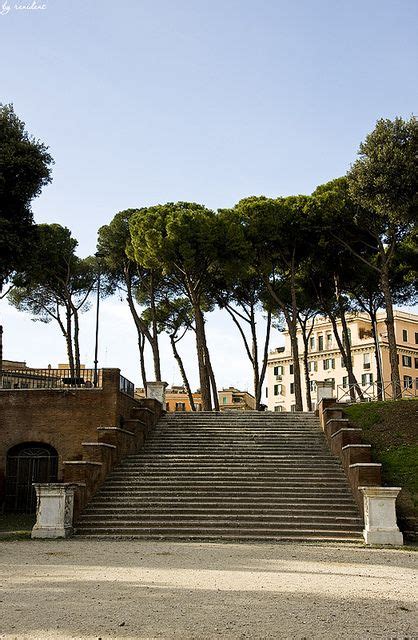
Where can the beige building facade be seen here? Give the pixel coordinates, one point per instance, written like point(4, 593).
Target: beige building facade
point(230, 399)
point(326, 363)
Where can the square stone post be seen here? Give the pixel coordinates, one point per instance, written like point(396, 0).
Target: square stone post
point(380, 525)
point(324, 390)
point(156, 390)
point(54, 510)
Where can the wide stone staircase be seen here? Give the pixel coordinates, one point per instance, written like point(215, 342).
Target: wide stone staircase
point(227, 476)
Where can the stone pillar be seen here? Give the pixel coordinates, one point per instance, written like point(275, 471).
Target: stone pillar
point(156, 390)
point(54, 510)
point(380, 525)
point(324, 390)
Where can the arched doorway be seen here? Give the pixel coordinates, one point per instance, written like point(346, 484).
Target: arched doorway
point(27, 463)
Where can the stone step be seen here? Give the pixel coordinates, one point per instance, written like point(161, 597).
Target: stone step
point(225, 519)
point(323, 493)
point(289, 536)
point(209, 476)
point(164, 510)
point(253, 501)
point(221, 532)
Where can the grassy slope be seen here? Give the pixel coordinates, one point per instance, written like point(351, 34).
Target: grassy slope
point(392, 430)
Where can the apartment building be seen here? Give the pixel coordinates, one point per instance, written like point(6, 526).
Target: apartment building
point(326, 363)
point(229, 399)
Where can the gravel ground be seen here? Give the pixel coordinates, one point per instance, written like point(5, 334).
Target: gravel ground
point(133, 589)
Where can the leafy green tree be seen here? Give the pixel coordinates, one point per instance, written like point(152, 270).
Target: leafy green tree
point(139, 284)
point(188, 242)
point(383, 181)
point(175, 317)
point(24, 169)
point(240, 290)
point(56, 285)
point(280, 234)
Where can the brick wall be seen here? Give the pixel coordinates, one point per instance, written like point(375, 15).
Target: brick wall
point(61, 418)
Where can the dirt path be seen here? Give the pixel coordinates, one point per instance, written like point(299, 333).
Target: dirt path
point(92, 590)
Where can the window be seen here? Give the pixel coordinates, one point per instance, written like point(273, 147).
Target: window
point(278, 371)
point(416, 337)
point(407, 361)
point(329, 340)
point(405, 335)
point(312, 366)
point(366, 378)
point(267, 392)
point(312, 385)
point(291, 369)
point(416, 383)
point(320, 343)
point(312, 343)
point(366, 360)
point(292, 387)
point(407, 382)
point(345, 382)
point(293, 408)
point(328, 363)
point(416, 363)
point(278, 409)
point(224, 399)
point(276, 389)
point(332, 380)
point(349, 338)
point(180, 406)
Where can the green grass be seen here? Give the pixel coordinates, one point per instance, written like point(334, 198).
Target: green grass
point(400, 464)
point(365, 415)
point(391, 428)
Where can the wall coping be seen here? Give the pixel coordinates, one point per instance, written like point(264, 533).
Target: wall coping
point(363, 446)
point(345, 429)
point(98, 444)
point(365, 464)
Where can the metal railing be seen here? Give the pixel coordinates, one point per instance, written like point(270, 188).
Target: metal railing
point(373, 392)
point(48, 379)
point(126, 386)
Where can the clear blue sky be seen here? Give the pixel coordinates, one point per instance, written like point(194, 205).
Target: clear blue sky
point(149, 101)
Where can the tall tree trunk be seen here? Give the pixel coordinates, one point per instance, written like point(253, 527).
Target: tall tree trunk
point(69, 340)
point(254, 353)
point(182, 372)
point(349, 359)
point(291, 320)
point(390, 326)
point(305, 337)
point(264, 365)
point(141, 346)
point(352, 380)
point(76, 343)
point(154, 342)
point(292, 327)
point(201, 358)
point(379, 381)
point(141, 328)
point(212, 381)
point(156, 358)
point(293, 330)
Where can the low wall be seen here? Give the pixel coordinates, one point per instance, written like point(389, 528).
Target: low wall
point(62, 418)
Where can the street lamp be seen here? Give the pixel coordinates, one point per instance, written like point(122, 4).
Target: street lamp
point(96, 348)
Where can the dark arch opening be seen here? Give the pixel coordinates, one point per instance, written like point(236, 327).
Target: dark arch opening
point(26, 463)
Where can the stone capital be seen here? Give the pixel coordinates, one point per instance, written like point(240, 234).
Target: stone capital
point(156, 391)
